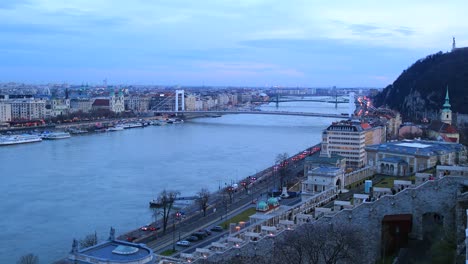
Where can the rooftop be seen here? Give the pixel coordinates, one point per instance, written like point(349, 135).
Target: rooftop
point(115, 251)
point(417, 147)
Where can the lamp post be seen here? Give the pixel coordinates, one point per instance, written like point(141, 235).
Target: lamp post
point(173, 234)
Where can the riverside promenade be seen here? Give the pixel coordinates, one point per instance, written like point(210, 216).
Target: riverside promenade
point(219, 209)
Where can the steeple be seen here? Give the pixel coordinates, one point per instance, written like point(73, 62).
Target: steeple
point(447, 100)
point(446, 114)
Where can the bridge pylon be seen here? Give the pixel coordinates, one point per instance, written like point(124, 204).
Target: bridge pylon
point(179, 105)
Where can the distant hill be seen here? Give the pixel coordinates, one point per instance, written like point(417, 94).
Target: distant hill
point(422, 86)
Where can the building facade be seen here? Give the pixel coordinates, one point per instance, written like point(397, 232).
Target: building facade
point(28, 109)
point(349, 138)
point(405, 158)
point(322, 178)
point(5, 112)
point(84, 105)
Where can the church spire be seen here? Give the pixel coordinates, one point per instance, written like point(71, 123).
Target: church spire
point(447, 100)
point(446, 113)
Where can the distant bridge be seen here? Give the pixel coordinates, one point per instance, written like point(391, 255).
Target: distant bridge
point(255, 113)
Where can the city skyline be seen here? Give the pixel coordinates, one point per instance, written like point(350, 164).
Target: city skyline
point(238, 43)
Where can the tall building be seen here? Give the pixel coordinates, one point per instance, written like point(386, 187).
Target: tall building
point(349, 138)
point(81, 104)
point(5, 112)
point(28, 109)
point(137, 103)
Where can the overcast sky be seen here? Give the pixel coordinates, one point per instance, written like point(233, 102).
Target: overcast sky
point(222, 42)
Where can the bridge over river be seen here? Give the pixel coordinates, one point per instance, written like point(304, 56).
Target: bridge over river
point(253, 112)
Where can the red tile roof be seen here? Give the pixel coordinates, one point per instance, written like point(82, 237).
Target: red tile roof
point(101, 102)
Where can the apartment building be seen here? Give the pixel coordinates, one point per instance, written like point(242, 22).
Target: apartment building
point(5, 112)
point(28, 109)
point(349, 139)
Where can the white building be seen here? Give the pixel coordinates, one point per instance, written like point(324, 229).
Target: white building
point(137, 103)
point(349, 139)
point(5, 112)
point(28, 109)
point(117, 103)
point(81, 104)
point(322, 178)
point(59, 107)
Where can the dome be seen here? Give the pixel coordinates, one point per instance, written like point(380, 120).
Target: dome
point(262, 206)
point(273, 201)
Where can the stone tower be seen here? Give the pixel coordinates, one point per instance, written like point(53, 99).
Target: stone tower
point(446, 114)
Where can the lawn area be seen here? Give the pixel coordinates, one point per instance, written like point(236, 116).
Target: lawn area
point(168, 252)
point(387, 181)
point(244, 216)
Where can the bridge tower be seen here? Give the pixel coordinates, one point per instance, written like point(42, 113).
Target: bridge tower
point(179, 105)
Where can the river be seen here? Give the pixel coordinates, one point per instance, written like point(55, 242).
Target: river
point(54, 191)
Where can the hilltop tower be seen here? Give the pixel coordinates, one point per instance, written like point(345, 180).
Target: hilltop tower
point(446, 114)
point(454, 47)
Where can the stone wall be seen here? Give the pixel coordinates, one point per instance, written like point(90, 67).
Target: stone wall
point(438, 196)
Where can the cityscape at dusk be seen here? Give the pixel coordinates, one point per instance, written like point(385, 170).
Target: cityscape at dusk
point(223, 43)
point(251, 131)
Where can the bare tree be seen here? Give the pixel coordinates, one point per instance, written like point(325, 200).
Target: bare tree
point(28, 259)
point(202, 199)
point(89, 240)
point(165, 202)
point(282, 161)
point(230, 192)
point(319, 243)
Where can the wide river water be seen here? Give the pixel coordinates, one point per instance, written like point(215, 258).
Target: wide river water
point(54, 191)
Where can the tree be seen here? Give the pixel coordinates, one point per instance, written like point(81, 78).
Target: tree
point(202, 199)
point(89, 240)
point(282, 161)
point(229, 190)
point(165, 202)
point(28, 259)
point(319, 243)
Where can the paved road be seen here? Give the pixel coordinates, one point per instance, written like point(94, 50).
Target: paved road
point(195, 220)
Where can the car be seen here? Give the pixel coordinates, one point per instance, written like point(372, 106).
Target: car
point(144, 228)
point(207, 232)
point(200, 235)
point(183, 243)
point(131, 238)
point(192, 238)
point(217, 229)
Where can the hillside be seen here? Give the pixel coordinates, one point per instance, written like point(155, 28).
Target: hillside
point(422, 86)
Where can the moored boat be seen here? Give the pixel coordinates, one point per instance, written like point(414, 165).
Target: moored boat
point(55, 135)
point(19, 139)
point(132, 125)
point(115, 128)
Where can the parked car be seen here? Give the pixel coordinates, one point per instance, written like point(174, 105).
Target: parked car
point(207, 232)
point(131, 238)
point(217, 229)
point(183, 243)
point(200, 235)
point(192, 238)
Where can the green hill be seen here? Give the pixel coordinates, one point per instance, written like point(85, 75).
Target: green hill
point(422, 86)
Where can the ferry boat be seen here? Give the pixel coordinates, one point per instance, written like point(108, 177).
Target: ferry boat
point(18, 139)
point(115, 128)
point(77, 131)
point(132, 125)
point(55, 135)
point(159, 123)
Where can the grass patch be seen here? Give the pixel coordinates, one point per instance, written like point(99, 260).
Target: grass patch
point(168, 252)
point(387, 182)
point(244, 216)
